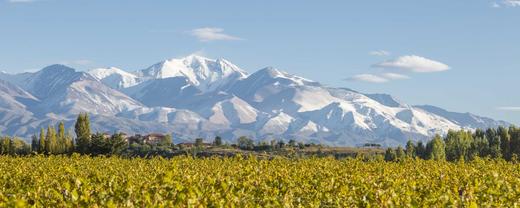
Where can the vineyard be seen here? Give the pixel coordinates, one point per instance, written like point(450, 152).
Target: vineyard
point(81, 181)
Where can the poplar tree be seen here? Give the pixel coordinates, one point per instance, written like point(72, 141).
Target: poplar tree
point(410, 149)
point(41, 146)
point(436, 149)
point(82, 129)
point(51, 141)
point(61, 138)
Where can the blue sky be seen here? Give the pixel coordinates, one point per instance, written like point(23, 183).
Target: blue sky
point(460, 55)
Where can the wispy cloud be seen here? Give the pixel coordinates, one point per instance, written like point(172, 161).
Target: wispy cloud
point(512, 3)
point(509, 108)
point(206, 34)
point(379, 53)
point(377, 78)
point(506, 3)
point(372, 78)
point(394, 76)
point(413, 63)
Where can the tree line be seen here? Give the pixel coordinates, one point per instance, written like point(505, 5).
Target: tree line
point(458, 145)
point(496, 143)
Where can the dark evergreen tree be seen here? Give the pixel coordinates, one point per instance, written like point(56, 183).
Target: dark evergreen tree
point(98, 144)
point(118, 144)
point(292, 143)
point(514, 133)
point(217, 141)
point(505, 142)
point(479, 147)
point(420, 150)
point(34, 143)
point(390, 155)
point(494, 143)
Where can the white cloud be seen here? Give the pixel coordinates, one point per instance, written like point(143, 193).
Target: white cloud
point(379, 53)
point(506, 3)
point(509, 108)
point(368, 78)
point(511, 3)
point(394, 76)
point(413, 63)
point(377, 78)
point(206, 34)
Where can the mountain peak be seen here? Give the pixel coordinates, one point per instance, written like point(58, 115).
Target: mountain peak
point(275, 73)
point(202, 72)
point(58, 68)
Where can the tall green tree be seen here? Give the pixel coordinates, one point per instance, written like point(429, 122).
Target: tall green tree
point(400, 153)
point(61, 138)
point(494, 143)
point(51, 144)
point(435, 149)
point(5, 145)
point(514, 133)
point(410, 149)
point(82, 129)
point(480, 146)
point(34, 143)
point(41, 145)
point(458, 145)
point(69, 143)
point(505, 142)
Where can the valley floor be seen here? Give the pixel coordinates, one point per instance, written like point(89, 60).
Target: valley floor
point(83, 181)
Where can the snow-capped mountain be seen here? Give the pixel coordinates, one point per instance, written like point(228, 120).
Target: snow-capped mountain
point(195, 96)
point(115, 78)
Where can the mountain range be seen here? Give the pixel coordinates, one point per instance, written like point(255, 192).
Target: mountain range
point(194, 96)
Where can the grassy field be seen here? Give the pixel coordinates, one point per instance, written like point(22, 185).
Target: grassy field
point(83, 181)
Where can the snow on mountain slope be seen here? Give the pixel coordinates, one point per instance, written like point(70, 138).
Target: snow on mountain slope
point(200, 97)
point(277, 125)
point(14, 98)
point(204, 73)
point(167, 92)
point(222, 108)
point(61, 89)
point(273, 91)
point(466, 120)
point(115, 78)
